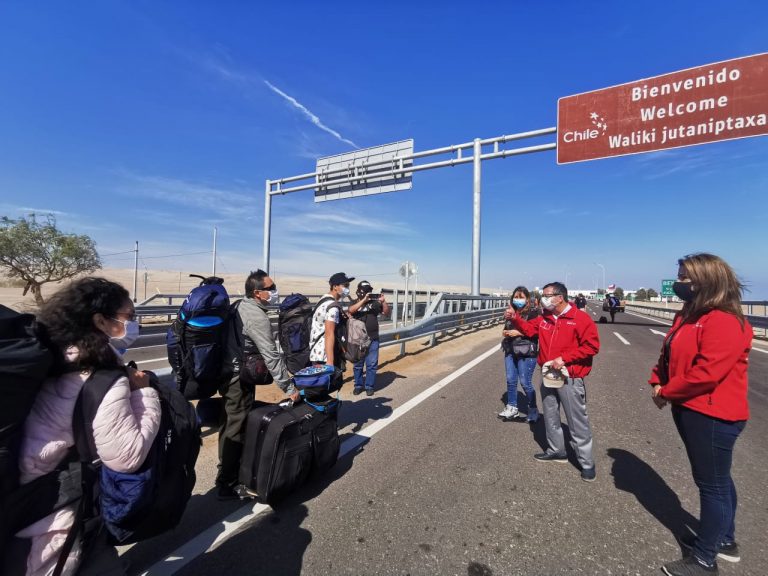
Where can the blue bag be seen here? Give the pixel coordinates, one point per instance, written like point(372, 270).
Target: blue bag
point(317, 382)
point(196, 340)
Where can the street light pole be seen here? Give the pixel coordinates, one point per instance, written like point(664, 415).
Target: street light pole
point(603, 268)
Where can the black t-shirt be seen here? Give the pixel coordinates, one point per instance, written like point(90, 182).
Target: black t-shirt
point(369, 314)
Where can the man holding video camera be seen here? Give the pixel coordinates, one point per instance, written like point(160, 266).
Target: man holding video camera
point(367, 308)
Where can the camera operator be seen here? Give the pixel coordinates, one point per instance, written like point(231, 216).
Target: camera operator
point(367, 308)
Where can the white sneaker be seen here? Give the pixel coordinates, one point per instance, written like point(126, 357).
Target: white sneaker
point(510, 412)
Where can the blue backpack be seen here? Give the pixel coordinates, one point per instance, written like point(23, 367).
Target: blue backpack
point(196, 340)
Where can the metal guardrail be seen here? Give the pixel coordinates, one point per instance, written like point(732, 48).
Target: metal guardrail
point(759, 323)
point(442, 313)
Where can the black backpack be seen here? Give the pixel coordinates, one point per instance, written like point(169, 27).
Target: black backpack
point(196, 340)
point(293, 329)
point(138, 505)
point(24, 364)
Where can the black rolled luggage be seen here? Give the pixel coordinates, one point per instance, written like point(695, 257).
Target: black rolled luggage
point(285, 445)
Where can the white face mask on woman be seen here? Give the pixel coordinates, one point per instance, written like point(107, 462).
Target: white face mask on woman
point(130, 334)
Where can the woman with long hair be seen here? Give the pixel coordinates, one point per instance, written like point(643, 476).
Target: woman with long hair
point(520, 355)
point(86, 322)
point(702, 372)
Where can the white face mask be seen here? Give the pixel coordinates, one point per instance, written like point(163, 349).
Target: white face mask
point(273, 297)
point(130, 334)
point(546, 303)
point(344, 292)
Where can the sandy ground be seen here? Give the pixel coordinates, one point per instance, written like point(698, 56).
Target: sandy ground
point(174, 282)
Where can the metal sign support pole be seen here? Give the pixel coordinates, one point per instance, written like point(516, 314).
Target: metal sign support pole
point(267, 225)
point(476, 221)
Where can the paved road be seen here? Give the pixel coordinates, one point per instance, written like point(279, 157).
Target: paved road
point(447, 488)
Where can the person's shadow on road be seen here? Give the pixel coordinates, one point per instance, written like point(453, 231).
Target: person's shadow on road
point(633, 475)
point(360, 412)
point(274, 545)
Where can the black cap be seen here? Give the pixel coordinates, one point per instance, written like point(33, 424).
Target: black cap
point(339, 278)
point(364, 287)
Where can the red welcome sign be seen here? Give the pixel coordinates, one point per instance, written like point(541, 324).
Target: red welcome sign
point(720, 101)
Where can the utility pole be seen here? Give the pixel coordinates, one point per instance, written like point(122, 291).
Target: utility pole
point(213, 273)
point(135, 270)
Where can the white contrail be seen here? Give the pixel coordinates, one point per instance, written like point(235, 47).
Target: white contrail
point(312, 117)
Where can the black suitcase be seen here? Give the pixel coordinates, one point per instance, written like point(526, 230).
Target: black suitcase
point(284, 446)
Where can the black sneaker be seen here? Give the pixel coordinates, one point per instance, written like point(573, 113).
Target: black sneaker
point(728, 551)
point(551, 457)
point(357, 391)
point(689, 566)
point(588, 474)
point(369, 392)
point(227, 492)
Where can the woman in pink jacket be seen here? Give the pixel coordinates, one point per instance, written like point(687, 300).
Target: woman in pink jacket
point(87, 322)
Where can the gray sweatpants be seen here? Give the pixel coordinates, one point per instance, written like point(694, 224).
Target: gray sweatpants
point(573, 398)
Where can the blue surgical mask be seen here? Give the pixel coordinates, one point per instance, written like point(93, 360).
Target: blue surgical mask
point(129, 336)
point(519, 302)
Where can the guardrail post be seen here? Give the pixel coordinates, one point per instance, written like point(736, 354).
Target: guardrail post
point(395, 298)
point(402, 349)
point(432, 340)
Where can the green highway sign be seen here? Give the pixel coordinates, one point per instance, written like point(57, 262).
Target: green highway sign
point(666, 288)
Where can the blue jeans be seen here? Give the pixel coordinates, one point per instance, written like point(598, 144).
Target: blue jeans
point(370, 363)
point(521, 369)
point(709, 443)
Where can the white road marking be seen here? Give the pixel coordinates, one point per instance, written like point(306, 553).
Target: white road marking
point(620, 337)
point(657, 332)
point(165, 358)
point(218, 533)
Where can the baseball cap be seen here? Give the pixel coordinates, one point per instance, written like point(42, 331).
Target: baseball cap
point(339, 278)
point(552, 378)
point(364, 287)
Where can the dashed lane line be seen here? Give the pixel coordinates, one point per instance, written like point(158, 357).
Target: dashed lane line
point(238, 520)
point(620, 337)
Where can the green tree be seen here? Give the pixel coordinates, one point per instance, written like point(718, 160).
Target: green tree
point(652, 293)
point(642, 294)
point(619, 292)
point(38, 253)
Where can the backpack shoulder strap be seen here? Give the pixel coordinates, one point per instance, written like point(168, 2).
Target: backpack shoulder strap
point(91, 396)
point(320, 302)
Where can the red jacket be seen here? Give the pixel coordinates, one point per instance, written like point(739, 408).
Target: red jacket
point(572, 336)
point(708, 366)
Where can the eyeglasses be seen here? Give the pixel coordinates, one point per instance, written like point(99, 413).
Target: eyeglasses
point(550, 295)
point(130, 317)
point(269, 288)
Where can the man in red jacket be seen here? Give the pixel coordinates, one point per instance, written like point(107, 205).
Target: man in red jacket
point(568, 339)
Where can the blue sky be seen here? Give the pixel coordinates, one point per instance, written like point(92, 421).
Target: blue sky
point(156, 121)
